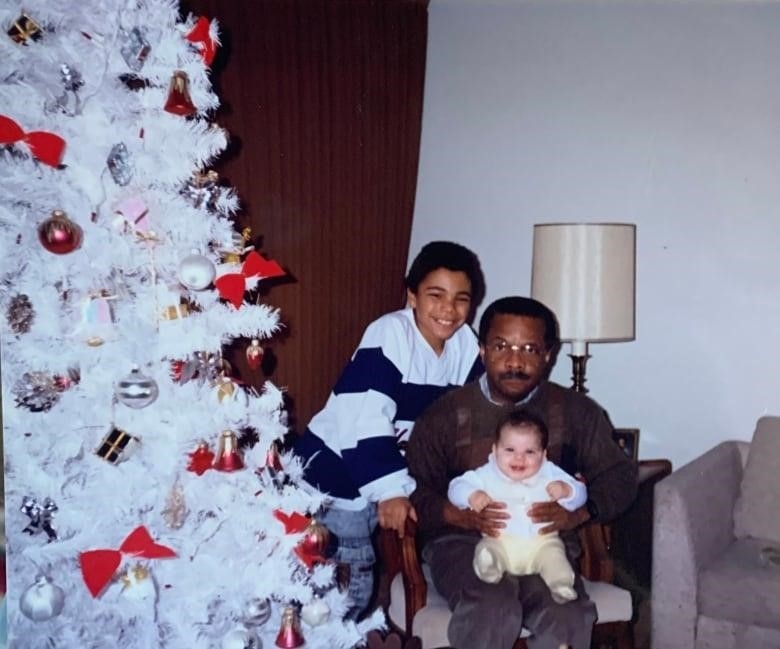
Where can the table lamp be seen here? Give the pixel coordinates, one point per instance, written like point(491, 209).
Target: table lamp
point(585, 273)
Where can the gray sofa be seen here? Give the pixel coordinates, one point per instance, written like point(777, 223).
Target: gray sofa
point(713, 587)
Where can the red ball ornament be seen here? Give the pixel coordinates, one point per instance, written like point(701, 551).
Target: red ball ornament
point(254, 354)
point(316, 537)
point(58, 234)
point(312, 547)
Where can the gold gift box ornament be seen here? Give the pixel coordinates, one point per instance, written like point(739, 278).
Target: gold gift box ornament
point(117, 446)
point(24, 28)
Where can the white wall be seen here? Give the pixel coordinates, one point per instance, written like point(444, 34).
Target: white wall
point(664, 115)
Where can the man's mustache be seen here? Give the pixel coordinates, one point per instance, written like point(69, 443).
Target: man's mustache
point(514, 375)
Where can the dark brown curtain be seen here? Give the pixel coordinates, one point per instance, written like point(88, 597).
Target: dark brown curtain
point(323, 100)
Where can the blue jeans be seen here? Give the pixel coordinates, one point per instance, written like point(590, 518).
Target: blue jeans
point(353, 530)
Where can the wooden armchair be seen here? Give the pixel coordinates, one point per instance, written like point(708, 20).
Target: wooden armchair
point(414, 608)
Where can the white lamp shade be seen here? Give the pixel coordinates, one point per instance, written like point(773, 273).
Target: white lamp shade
point(585, 273)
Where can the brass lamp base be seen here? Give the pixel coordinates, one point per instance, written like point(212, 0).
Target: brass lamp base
point(578, 372)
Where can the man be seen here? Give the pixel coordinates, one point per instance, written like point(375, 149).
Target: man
point(518, 339)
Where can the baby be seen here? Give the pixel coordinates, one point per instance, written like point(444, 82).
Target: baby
point(519, 474)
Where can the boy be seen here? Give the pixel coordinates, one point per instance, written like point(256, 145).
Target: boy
point(405, 360)
point(518, 474)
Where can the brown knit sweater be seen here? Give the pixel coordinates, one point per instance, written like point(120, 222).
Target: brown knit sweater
point(456, 433)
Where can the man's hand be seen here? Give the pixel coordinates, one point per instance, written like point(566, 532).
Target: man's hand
point(489, 521)
point(393, 512)
point(558, 518)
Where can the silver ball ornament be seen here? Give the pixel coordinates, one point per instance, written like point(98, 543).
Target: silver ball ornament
point(236, 241)
point(315, 612)
point(257, 612)
point(241, 638)
point(136, 390)
point(197, 272)
point(42, 600)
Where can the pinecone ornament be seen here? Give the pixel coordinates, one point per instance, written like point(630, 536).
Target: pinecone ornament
point(20, 314)
point(36, 391)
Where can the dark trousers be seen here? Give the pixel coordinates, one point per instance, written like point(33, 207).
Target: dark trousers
point(492, 615)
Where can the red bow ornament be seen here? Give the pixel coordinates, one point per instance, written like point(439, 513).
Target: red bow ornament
point(201, 36)
point(98, 566)
point(44, 146)
point(232, 286)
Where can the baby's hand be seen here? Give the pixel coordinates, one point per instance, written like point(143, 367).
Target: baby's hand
point(479, 500)
point(558, 489)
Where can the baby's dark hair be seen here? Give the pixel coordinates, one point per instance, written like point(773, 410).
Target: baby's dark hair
point(452, 256)
point(521, 418)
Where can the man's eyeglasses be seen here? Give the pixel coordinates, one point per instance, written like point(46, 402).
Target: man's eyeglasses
point(527, 351)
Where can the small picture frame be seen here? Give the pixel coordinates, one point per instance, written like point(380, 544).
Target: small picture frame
point(628, 441)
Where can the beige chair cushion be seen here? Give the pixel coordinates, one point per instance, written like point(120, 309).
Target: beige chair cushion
point(756, 507)
point(613, 604)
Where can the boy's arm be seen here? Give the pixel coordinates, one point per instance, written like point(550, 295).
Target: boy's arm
point(364, 402)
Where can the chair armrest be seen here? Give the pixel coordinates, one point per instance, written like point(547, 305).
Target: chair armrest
point(694, 506)
point(400, 555)
point(692, 523)
point(595, 562)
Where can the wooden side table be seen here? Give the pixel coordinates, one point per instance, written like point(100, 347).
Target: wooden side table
point(631, 534)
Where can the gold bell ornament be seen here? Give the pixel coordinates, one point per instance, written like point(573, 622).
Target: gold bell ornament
point(226, 391)
point(290, 635)
point(137, 583)
point(231, 252)
point(228, 456)
point(179, 102)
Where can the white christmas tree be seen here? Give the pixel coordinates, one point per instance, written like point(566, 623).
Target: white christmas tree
point(145, 504)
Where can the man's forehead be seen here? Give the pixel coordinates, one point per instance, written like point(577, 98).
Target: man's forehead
point(505, 325)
